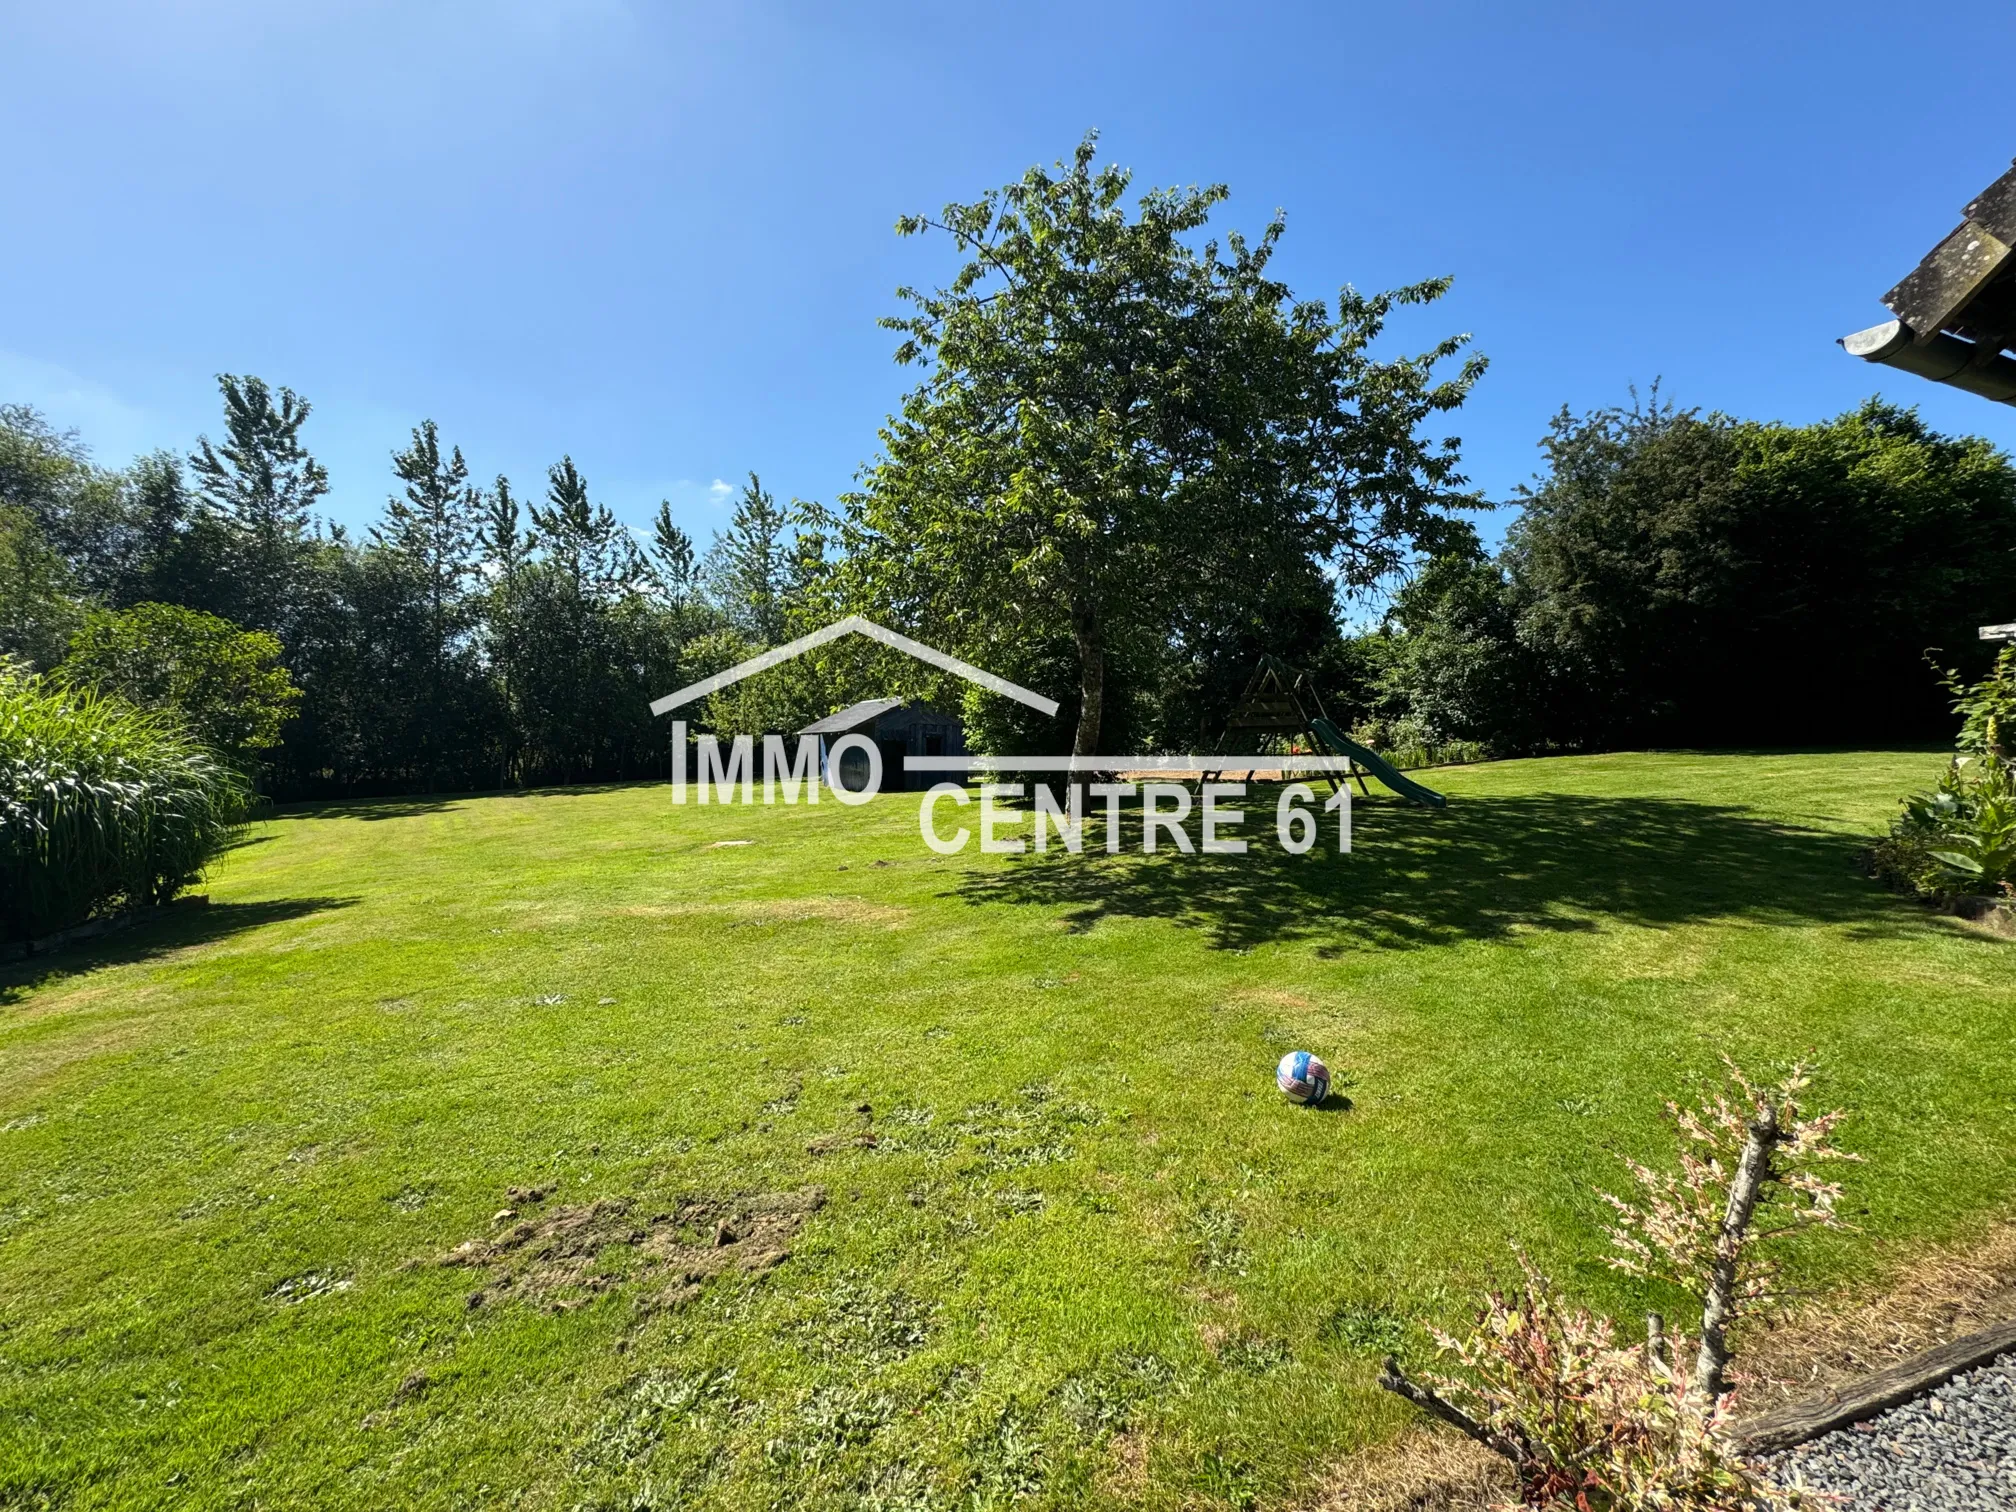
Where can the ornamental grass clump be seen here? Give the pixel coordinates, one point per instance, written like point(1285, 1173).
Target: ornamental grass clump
point(102, 806)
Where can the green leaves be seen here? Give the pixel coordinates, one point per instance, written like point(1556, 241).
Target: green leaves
point(1980, 846)
point(226, 685)
point(1120, 431)
point(101, 806)
point(1961, 835)
point(1987, 708)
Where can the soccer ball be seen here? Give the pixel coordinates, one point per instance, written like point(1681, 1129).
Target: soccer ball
point(1302, 1077)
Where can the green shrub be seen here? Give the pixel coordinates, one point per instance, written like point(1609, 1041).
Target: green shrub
point(1958, 838)
point(1409, 744)
point(102, 806)
point(1961, 836)
point(225, 684)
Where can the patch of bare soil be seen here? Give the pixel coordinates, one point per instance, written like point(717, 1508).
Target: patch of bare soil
point(1936, 1297)
point(863, 1138)
point(827, 1144)
point(1424, 1470)
point(562, 1259)
point(1126, 1477)
point(1267, 997)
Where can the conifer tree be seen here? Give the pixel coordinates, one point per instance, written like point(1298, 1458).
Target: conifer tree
point(262, 483)
point(583, 539)
point(672, 559)
point(434, 527)
point(749, 565)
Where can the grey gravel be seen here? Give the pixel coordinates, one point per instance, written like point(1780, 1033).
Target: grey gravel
point(1951, 1450)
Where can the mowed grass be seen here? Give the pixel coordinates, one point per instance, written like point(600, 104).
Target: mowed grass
point(1090, 1257)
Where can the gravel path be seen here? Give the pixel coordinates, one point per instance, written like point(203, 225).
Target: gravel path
point(1952, 1450)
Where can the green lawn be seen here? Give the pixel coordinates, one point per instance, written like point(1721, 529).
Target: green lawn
point(1090, 1255)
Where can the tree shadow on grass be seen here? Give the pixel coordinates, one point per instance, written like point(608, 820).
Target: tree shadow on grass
point(406, 805)
point(367, 808)
point(176, 929)
point(1479, 869)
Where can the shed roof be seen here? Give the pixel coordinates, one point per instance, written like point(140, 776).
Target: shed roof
point(852, 718)
point(1956, 311)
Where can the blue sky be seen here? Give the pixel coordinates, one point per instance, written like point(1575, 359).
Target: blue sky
point(658, 237)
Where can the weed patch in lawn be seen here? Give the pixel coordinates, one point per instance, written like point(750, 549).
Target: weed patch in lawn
point(307, 1286)
point(1367, 1330)
point(564, 1259)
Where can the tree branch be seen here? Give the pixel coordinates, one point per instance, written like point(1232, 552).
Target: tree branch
point(1393, 1379)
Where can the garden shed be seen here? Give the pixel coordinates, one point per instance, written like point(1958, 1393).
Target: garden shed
point(898, 729)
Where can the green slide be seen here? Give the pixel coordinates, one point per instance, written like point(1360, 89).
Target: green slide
point(1376, 764)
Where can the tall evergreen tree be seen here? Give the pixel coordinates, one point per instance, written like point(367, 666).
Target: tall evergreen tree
point(505, 552)
point(672, 559)
point(434, 526)
point(583, 539)
point(498, 535)
point(430, 533)
point(263, 483)
point(749, 565)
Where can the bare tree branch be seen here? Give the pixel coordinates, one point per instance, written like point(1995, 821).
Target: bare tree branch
point(1393, 1379)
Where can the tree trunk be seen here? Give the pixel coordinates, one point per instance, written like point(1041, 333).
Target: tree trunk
point(1718, 1311)
point(1085, 631)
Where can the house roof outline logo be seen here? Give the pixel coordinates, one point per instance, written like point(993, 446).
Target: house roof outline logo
point(853, 624)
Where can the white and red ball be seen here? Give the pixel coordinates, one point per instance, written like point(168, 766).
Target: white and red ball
point(1302, 1078)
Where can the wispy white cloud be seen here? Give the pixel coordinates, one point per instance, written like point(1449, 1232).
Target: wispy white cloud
point(719, 492)
point(112, 427)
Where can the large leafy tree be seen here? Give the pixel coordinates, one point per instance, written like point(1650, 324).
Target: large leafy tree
point(1118, 428)
point(1681, 578)
point(38, 594)
point(1709, 580)
point(226, 685)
